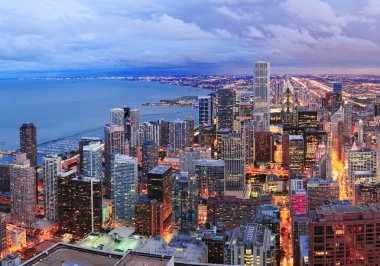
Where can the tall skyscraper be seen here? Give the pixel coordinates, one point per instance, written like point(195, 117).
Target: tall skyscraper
point(376, 104)
point(225, 100)
point(117, 116)
point(361, 132)
point(150, 131)
point(210, 178)
point(5, 177)
point(205, 111)
point(262, 87)
point(296, 154)
point(124, 185)
point(248, 138)
point(84, 141)
point(263, 147)
point(3, 236)
point(134, 128)
point(149, 152)
point(288, 102)
point(189, 156)
point(347, 117)
point(179, 134)
point(92, 160)
point(51, 169)
point(114, 144)
point(233, 153)
point(79, 204)
point(28, 142)
point(23, 191)
point(336, 138)
point(337, 96)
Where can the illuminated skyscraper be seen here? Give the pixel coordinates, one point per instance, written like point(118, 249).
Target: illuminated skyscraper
point(296, 154)
point(92, 160)
point(225, 101)
point(336, 118)
point(28, 142)
point(84, 141)
point(210, 177)
point(114, 144)
point(124, 185)
point(347, 117)
point(262, 87)
point(3, 236)
point(206, 112)
point(248, 138)
point(337, 96)
point(361, 132)
point(51, 169)
point(233, 153)
point(150, 131)
point(377, 106)
point(263, 147)
point(117, 116)
point(287, 104)
point(149, 156)
point(179, 133)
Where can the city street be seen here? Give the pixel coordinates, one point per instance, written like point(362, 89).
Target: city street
point(285, 236)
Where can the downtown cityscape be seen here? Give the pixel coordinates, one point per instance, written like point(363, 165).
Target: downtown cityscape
point(162, 133)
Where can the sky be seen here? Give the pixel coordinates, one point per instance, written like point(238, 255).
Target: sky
point(90, 37)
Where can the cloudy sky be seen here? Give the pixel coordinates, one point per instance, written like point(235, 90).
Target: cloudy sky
point(189, 36)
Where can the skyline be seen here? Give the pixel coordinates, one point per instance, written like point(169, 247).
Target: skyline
point(202, 37)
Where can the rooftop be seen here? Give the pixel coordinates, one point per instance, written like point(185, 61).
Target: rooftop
point(210, 162)
point(346, 212)
point(160, 169)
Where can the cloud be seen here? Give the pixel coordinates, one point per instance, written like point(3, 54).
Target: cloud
point(254, 33)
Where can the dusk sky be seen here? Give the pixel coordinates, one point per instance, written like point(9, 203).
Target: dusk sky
point(193, 37)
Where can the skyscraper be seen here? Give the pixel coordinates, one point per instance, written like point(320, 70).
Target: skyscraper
point(149, 152)
point(337, 96)
point(124, 185)
point(262, 86)
point(28, 142)
point(319, 190)
point(288, 102)
point(189, 156)
point(347, 117)
point(23, 191)
point(114, 144)
point(92, 160)
point(5, 176)
point(248, 138)
point(205, 111)
point(233, 153)
point(210, 178)
point(51, 170)
point(3, 236)
point(117, 116)
point(84, 141)
point(150, 131)
point(225, 100)
point(296, 154)
point(179, 134)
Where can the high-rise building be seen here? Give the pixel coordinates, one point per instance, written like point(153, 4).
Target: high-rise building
point(361, 132)
point(189, 156)
point(376, 104)
point(3, 236)
point(319, 190)
point(114, 144)
point(92, 160)
point(345, 235)
point(134, 128)
point(23, 191)
point(210, 175)
point(246, 105)
point(117, 116)
point(337, 96)
point(5, 177)
point(149, 159)
point(248, 138)
point(185, 201)
point(225, 101)
point(367, 193)
point(288, 103)
point(124, 185)
point(296, 154)
point(28, 142)
point(205, 111)
point(179, 134)
point(51, 169)
point(84, 141)
point(262, 87)
point(149, 218)
point(233, 153)
point(312, 138)
point(347, 117)
point(263, 147)
point(215, 240)
point(336, 138)
point(79, 204)
point(307, 118)
point(250, 244)
point(150, 131)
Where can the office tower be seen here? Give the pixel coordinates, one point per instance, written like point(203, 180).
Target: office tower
point(5, 176)
point(288, 103)
point(150, 131)
point(300, 229)
point(225, 100)
point(149, 152)
point(296, 154)
point(210, 175)
point(336, 118)
point(206, 136)
point(23, 191)
point(159, 188)
point(185, 201)
point(367, 193)
point(250, 244)
point(117, 116)
point(345, 235)
point(179, 134)
point(134, 127)
point(51, 169)
point(124, 185)
point(361, 132)
point(285, 150)
point(233, 152)
point(92, 160)
point(205, 111)
point(277, 91)
point(189, 156)
point(79, 204)
point(114, 144)
point(149, 218)
point(190, 130)
point(248, 138)
point(84, 141)
point(376, 104)
point(347, 118)
point(215, 240)
point(312, 138)
point(3, 236)
point(262, 86)
point(246, 105)
point(319, 190)
point(337, 96)
point(219, 134)
point(28, 142)
point(307, 118)
point(263, 147)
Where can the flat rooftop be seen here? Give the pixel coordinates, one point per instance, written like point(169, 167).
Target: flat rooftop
point(159, 169)
point(139, 259)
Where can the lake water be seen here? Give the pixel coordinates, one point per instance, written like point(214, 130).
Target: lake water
point(62, 108)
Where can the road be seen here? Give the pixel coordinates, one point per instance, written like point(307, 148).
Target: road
point(285, 236)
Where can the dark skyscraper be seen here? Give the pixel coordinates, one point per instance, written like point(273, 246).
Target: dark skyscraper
point(149, 156)
point(28, 142)
point(337, 96)
point(224, 108)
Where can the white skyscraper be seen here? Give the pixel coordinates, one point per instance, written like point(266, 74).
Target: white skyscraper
point(92, 160)
point(124, 192)
point(117, 116)
point(262, 87)
point(361, 132)
point(205, 109)
point(51, 165)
